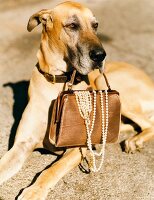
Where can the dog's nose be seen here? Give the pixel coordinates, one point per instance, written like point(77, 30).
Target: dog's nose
point(97, 55)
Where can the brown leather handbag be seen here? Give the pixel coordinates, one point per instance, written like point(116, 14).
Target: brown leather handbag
point(68, 128)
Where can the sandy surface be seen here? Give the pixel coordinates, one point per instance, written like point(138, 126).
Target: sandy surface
point(127, 31)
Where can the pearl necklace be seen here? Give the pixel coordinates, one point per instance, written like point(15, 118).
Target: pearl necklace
point(84, 102)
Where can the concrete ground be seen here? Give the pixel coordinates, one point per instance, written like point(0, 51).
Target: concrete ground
point(127, 31)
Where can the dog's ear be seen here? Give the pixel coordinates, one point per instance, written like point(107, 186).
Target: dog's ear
point(40, 17)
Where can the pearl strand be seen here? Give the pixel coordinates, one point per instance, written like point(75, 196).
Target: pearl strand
point(84, 101)
point(104, 133)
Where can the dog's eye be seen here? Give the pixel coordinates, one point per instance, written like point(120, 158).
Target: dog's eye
point(95, 25)
point(73, 26)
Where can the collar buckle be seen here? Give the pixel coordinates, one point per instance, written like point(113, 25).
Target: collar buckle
point(54, 79)
point(50, 78)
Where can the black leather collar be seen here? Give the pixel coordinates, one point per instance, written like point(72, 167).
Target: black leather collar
point(55, 78)
point(66, 77)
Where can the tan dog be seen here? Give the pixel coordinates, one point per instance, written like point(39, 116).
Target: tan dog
point(69, 39)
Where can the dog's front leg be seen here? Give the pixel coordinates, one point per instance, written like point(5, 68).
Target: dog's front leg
point(48, 179)
point(29, 133)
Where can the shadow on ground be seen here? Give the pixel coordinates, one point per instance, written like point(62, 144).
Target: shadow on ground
point(20, 91)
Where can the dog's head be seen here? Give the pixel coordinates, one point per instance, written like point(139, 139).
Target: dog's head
point(68, 39)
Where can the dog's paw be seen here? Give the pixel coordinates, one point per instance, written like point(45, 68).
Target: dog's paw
point(133, 144)
point(33, 193)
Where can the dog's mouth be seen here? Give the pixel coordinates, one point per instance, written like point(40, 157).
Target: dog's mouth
point(85, 66)
point(86, 70)
point(84, 60)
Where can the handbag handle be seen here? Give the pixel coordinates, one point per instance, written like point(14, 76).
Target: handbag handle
point(70, 83)
point(107, 82)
